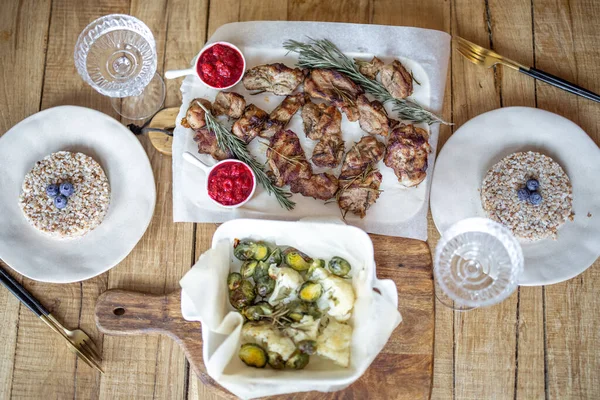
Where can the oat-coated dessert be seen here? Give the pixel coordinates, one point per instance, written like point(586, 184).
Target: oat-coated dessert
point(65, 195)
point(529, 193)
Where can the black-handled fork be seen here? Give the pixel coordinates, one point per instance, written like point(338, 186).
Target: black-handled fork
point(78, 341)
point(487, 58)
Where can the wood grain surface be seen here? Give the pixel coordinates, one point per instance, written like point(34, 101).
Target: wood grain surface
point(403, 370)
point(542, 343)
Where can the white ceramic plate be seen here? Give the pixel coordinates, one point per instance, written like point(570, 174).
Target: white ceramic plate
point(129, 173)
point(486, 139)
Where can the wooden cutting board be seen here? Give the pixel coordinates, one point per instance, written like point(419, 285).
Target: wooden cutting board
point(403, 370)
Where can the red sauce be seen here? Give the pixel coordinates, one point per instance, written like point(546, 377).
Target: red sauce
point(230, 183)
point(220, 66)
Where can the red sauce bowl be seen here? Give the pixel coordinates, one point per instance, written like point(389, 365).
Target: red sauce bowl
point(220, 65)
point(230, 183)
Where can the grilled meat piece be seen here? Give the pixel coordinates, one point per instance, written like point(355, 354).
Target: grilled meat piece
point(207, 144)
point(329, 151)
point(397, 80)
point(320, 120)
point(373, 118)
point(370, 69)
point(368, 151)
point(286, 158)
point(230, 104)
point(319, 186)
point(407, 153)
point(251, 123)
point(194, 116)
point(282, 114)
point(336, 88)
point(277, 78)
point(359, 193)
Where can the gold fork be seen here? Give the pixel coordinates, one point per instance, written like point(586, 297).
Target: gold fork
point(77, 340)
point(487, 58)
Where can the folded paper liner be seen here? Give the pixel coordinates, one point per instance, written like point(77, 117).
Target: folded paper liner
point(399, 211)
point(205, 299)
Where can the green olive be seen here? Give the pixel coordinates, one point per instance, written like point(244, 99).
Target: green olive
point(265, 286)
point(318, 262)
point(248, 268)
point(296, 259)
point(307, 347)
point(243, 296)
point(338, 266)
point(298, 360)
point(275, 360)
point(310, 291)
point(234, 281)
point(248, 250)
point(253, 355)
point(274, 257)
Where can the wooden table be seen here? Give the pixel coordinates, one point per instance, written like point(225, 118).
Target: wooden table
point(543, 342)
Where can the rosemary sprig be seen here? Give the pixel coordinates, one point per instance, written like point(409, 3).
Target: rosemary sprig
point(322, 53)
point(228, 141)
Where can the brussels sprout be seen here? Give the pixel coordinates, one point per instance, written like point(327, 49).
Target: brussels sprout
point(249, 250)
point(307, 347)
point(317, 262)
point(296, 259)
point(266, 308)
point(253, 355)
point(338, 266)
point(261, 271)
point(274, 257)
point(295, 316)
point(248, 268)
point(265, 286)
point(298, 360)
point(314, 312)
point(234, 280)
point(275, 360)
point(310, 291)
point(253, 313)
point(243, 296)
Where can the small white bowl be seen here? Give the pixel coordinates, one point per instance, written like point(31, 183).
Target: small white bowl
point(194, 71)
point(192, 159)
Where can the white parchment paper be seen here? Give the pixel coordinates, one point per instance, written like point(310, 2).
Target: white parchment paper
point(204, 298)
point(399, 211)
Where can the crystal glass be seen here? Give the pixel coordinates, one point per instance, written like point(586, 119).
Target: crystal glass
point(116, 55)
point(477, 263)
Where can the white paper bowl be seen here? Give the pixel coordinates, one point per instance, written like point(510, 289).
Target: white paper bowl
point(374, 318)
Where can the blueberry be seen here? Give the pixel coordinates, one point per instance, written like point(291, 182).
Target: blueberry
point(533, 185)
point(523, 194)
point(66, 189)
point(535, 198)
point(60, 201)
point(52, 190)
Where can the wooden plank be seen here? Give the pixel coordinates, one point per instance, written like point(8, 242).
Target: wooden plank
point(566, 46)
point(411, 13)
point(225, 12)
point(9, 315)
point(23, 41)
point(151, 366)
point(73, 303)
point(356, 11)
point(485, 342)
point(512, 36)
